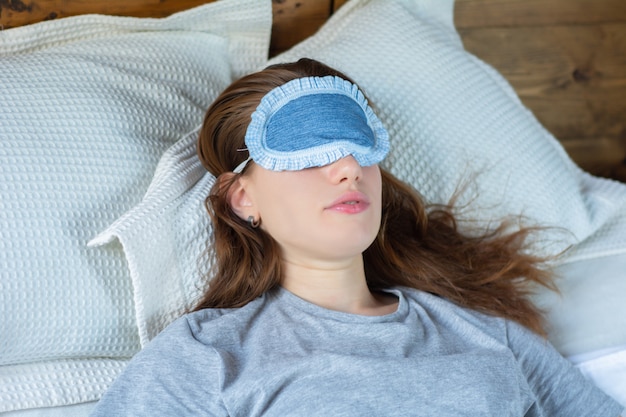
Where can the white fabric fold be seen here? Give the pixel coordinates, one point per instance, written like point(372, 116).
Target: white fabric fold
point(166, 237)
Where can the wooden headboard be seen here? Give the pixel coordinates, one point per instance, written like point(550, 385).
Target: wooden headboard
point(565, 58)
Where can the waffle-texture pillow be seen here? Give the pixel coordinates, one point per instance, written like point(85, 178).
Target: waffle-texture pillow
point(89, 104)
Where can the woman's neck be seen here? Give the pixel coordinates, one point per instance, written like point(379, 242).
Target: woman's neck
point(339, 286)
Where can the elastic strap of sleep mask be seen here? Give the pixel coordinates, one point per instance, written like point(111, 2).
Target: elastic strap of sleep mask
point(314, 121)
point(239, 168)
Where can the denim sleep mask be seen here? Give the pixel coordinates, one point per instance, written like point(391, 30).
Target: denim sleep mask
point(311, 122)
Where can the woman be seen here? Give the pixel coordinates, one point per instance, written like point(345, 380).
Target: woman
point(337, 291)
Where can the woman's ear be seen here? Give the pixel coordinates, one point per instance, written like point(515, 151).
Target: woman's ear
point(238, 197)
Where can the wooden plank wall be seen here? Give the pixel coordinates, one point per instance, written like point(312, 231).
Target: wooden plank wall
point(567, 61)
point(565, 58)
point(295, 20)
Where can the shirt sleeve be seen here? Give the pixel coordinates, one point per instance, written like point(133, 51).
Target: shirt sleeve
point(174, 375)
point(559, 388)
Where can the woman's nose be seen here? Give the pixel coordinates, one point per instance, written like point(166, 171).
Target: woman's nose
point(345, 169)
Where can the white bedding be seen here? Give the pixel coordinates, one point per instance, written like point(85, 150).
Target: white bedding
point(607, 368)
point(76, 410)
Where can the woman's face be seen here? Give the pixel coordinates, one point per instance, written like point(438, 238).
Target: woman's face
point(322, 214)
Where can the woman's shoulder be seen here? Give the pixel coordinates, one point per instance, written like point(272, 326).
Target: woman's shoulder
point(447, 313)
point(210, 324)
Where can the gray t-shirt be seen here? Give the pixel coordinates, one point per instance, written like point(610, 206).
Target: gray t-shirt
point(282, 356)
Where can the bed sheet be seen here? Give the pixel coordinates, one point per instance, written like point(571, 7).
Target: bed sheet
point(607, 368)
point(76, 410)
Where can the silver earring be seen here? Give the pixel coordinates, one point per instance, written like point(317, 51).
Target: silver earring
point(253, 223)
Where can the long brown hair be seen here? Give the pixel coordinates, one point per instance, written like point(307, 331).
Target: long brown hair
point(418, 245)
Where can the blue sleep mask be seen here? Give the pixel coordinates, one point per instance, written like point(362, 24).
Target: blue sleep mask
point(311, 122)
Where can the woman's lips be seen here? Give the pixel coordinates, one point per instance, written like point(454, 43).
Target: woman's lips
point(351, 203)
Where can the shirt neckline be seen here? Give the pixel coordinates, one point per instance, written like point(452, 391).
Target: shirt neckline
point(283, 295)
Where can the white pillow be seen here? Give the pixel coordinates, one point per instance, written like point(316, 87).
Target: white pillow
point(89, 104)
point(587, 314)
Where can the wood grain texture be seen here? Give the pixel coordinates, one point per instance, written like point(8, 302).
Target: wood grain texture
point(566, 60)
point(581, 69)
point(515, 13)
point(295, 20)
point(338, 3)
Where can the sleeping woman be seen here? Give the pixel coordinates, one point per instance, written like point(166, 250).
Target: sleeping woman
point(338, 291)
